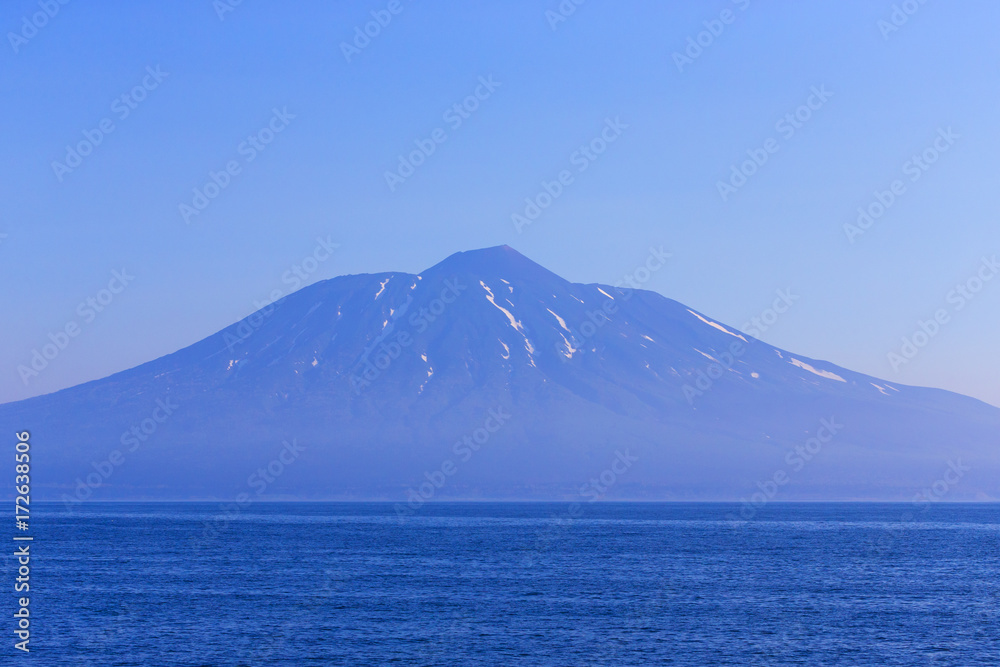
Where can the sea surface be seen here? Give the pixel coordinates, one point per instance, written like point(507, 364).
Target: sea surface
point(164, 584)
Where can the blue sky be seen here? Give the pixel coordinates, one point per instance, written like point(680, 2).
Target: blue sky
point(196, 86)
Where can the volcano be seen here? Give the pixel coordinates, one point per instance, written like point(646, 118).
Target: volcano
point(488, 376)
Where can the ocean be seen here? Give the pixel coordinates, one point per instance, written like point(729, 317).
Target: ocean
point(164, 584)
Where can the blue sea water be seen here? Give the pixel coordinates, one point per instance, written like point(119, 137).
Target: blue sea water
point(164, 584)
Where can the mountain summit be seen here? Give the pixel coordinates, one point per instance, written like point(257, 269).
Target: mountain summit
point(496, 258)
point(488, 376)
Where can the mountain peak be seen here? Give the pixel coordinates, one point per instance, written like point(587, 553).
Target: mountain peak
point(497, 253)
point(496, 261)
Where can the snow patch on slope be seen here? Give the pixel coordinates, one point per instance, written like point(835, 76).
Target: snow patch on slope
point(381, 287)
point(569, 350)
point(823, 374)
point(562, 322)
point(716, 325)
point(430, 374)
point(514, 322)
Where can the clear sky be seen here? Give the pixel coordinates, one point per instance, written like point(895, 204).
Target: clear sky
point(197, 85)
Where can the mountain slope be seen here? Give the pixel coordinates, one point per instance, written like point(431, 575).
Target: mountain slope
point(488, 376)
